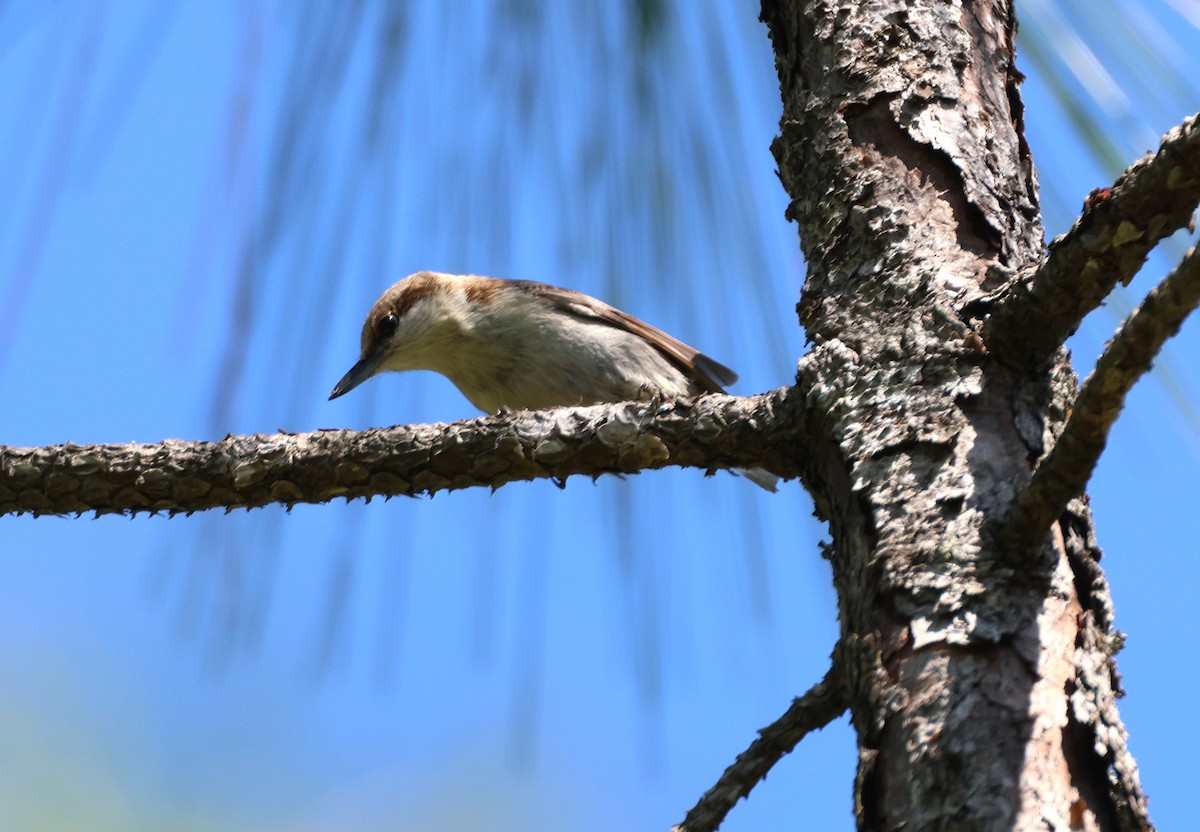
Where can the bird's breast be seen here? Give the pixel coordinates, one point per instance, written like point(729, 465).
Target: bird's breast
point(565, 365)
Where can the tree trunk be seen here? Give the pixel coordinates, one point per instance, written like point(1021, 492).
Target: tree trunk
point(981, 680)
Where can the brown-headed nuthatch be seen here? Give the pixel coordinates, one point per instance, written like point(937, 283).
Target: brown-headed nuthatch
point(520, 345)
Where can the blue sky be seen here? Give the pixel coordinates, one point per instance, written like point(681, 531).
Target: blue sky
point(517, 660)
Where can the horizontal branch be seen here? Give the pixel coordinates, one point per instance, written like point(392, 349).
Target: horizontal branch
point(1065, 471)
point(247, 471)
point(1155, 197)
point(823, 703)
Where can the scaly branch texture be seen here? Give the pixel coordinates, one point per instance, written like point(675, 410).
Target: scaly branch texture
point(1155, 197)
point(1067, 468)
point(823, 703)
point(248, 471)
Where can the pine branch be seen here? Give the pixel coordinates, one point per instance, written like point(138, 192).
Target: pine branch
point(823, 703)
point(1155, 197)
point(177, 476)
point(1065, 471)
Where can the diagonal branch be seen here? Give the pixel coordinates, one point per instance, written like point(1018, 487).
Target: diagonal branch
point(1064, 472)
point(824, 702)
point(1152, 199)
point(248, 471)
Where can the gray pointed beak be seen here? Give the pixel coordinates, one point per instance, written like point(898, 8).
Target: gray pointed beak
point(360, 372)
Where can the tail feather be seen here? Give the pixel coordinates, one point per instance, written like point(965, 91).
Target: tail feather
point(760, 477)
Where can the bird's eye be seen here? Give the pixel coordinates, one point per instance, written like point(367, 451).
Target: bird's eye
point(386, 327)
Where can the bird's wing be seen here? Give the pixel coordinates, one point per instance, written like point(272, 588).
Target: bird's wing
point(712, 375)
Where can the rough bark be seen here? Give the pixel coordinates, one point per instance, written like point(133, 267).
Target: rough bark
point(250, 471)
point(823, 703)
point(1064, 472)
point(990, 702)
point(1107, 245)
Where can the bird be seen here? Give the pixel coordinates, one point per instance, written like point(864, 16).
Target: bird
point(522, 345)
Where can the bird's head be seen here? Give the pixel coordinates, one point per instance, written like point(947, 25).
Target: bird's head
point(412, 326)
